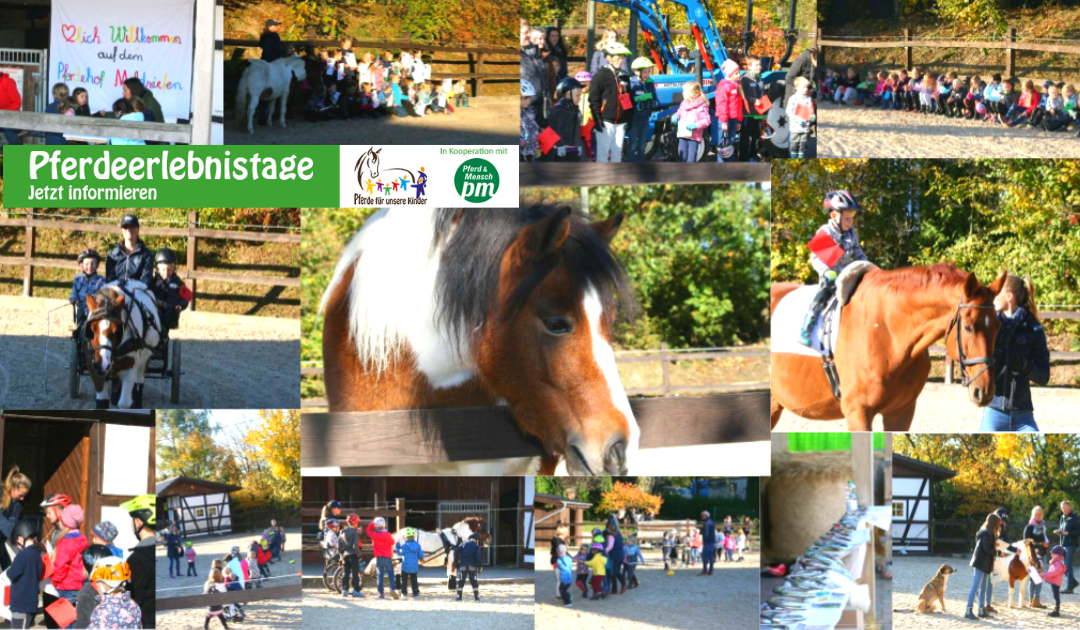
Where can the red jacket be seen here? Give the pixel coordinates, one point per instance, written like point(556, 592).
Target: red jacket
point(9, 95)
point(263, 556)
point(729, 104)
point(381, 542)
point(68, 571)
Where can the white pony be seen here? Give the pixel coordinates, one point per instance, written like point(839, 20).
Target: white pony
point(432, 544)
point(266, 81)
point(121, 332)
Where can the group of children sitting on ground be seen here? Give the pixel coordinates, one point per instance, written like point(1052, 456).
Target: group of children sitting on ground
point(102, 588)
point(1008, 101)
point(593, 114)
point(370, 87)
point(237, 571)
point(341, 539)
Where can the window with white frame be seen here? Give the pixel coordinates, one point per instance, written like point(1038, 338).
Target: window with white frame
point(898, 509)
point(200, 513)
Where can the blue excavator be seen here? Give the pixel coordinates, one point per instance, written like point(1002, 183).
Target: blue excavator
point(671, 72)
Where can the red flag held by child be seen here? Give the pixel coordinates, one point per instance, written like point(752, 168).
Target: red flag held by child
point(763, 104)
point(825, 248)
point(804, 112)
point(548, 139)
point(62, 612)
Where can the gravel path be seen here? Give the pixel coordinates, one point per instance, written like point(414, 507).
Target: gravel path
point(487, 120)
point(502, 607)
point(946, 409)
point(228, 361)
point(728, 599)
point(910, 574)
point(282, 613)
point(867, 132)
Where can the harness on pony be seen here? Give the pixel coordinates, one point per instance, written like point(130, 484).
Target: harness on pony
point(109, 310)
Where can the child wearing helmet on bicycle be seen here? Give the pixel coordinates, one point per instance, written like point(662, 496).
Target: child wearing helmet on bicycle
point(116, 610)
point(842, 208)
point(529, 144)
point(25, 573)
point(87, 282)
point(644, 99)
point(172, 294)
point(382, 543)
point(411, 554)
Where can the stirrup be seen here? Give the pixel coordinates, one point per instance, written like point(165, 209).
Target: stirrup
point(830, 373)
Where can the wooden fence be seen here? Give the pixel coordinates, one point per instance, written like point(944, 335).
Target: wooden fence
point(958, 535)
point(477, 57)
point(423, 436)
point(950, 365)
point(1008, 44)
point(650, 531)
point(233, 597)
point(31, 223)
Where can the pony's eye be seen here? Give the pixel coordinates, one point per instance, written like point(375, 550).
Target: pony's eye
point(558, 325)
point(968, 328)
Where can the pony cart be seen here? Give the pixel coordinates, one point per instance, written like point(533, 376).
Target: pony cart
point(163, 363)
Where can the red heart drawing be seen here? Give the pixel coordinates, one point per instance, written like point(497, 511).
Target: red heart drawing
point(68, 28)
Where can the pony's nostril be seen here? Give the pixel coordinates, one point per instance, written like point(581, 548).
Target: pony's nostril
point(615, 458)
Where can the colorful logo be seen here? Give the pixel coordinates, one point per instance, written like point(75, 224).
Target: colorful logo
point(375, 179)
point(476, 180)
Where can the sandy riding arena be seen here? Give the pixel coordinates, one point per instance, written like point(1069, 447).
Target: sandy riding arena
point(228, 361)
point(266, 614)
point(868, 132)
point(501, 607)
point(910, 573)
point(946, 409)
point(487, 120)
point(727, 599)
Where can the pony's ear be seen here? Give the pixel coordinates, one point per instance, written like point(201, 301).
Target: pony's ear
point(997, 285)
point(971, 285)
point(546, 236)
point(91, 302)
point(609, 228)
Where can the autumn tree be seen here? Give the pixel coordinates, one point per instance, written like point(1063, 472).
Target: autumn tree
point(277, 442)
point(186, 447)
point(626, 496)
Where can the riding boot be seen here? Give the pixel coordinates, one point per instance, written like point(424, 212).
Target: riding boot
point(101, 403)
point(1035, 603)
point(136, 396)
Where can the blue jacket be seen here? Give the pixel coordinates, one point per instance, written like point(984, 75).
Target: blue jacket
point(1020, 347)
point(50, 137)
point(633, 555)
point(468, 554)
point(8, 519)
point(565, 565)
point(617, 553)
point(82, 286)
point(992, 93)
point(411, 554)
point(172, 546)
point(25, 574)
point(708, 533)
point(643, 96)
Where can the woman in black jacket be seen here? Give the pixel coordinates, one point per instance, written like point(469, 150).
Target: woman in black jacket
point(1021, 356)
point(982, 563)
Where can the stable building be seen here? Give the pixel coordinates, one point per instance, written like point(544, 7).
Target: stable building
point(196, 506)
point(913, 503)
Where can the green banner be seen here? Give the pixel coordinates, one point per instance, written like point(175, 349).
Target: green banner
point(170, 176)
point(803, 442)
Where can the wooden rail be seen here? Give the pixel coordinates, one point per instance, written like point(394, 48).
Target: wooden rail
point(1008, 44)
point(93, 126)
point(233, 597)
point(477, 57)
point(420, 436)
point(31, 223)
point(567, 174)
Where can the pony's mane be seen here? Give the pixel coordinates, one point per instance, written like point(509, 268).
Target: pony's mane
point(469, 271)
point(909, 280)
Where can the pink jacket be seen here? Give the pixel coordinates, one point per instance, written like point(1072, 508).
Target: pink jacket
point(729, 105)
point(729, 543)
point(1053, 576)
point(699, 112)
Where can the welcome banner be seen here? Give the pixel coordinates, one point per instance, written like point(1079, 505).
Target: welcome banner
point(98, 45)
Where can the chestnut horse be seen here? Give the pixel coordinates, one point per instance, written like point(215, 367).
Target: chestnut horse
point(1018, 571)
point(882, 348)
point(459, 308)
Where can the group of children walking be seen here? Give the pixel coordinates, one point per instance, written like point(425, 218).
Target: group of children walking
point(372, 87)
point(596, 115)
point(686, 550)
point(238, 571)
point(995, 100)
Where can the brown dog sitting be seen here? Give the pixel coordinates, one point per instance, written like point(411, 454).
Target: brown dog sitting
point(934, 591)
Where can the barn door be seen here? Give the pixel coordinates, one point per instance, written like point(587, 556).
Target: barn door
point(70, 474)
point(451, 512)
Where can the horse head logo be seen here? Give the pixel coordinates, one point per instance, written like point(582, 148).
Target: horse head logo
point(370, 161)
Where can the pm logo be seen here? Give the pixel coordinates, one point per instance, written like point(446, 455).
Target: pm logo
point(476, 180)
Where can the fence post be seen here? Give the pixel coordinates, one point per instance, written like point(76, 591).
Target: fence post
point(1010, 53)
point(472, 70)
point(479, 89)
point(399, 505)
point(590, 33)
point(28, 270)
point(820, 56)
point(948, 370)
point(192, 222)
point(907, 50)
point(664, 365)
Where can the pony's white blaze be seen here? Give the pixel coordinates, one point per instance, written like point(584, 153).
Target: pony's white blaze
point(392, 297)
point(604, 355)
point(106, 349)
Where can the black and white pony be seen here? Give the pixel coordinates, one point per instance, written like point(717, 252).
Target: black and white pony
point(121, 332)
point(438, 546)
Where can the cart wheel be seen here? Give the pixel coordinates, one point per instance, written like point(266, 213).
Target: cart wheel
point(175, 360)
point(337, 578)
point(73, 373)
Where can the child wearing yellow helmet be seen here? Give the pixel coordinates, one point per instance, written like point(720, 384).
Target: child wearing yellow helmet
point(411, 554)
point(117, 609)
point(644, 99)
point(142, 510)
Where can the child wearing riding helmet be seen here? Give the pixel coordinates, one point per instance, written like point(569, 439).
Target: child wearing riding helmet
point(597, 562)
point(558, 540)
point(564, 568)
point(189, 555)
point(633, 559)
point(411, 554)
point(565, 120)
point(382, 543)
point(349, 546)
point(1021, 356)
point(467, 564)
point(86, 282)
point(116, 610)
point(170, 291)
point(25, 573)
point(141, 560)
point(645, 101)
point(87, 601)
point(667, 545)
point(729, 109)
point(842, 208)
point(1053, 575)
point(692, 120)
point(67, 563)
point(528, 146)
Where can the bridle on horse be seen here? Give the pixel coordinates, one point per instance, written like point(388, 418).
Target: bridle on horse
point(110, 311)
point(986, 362)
